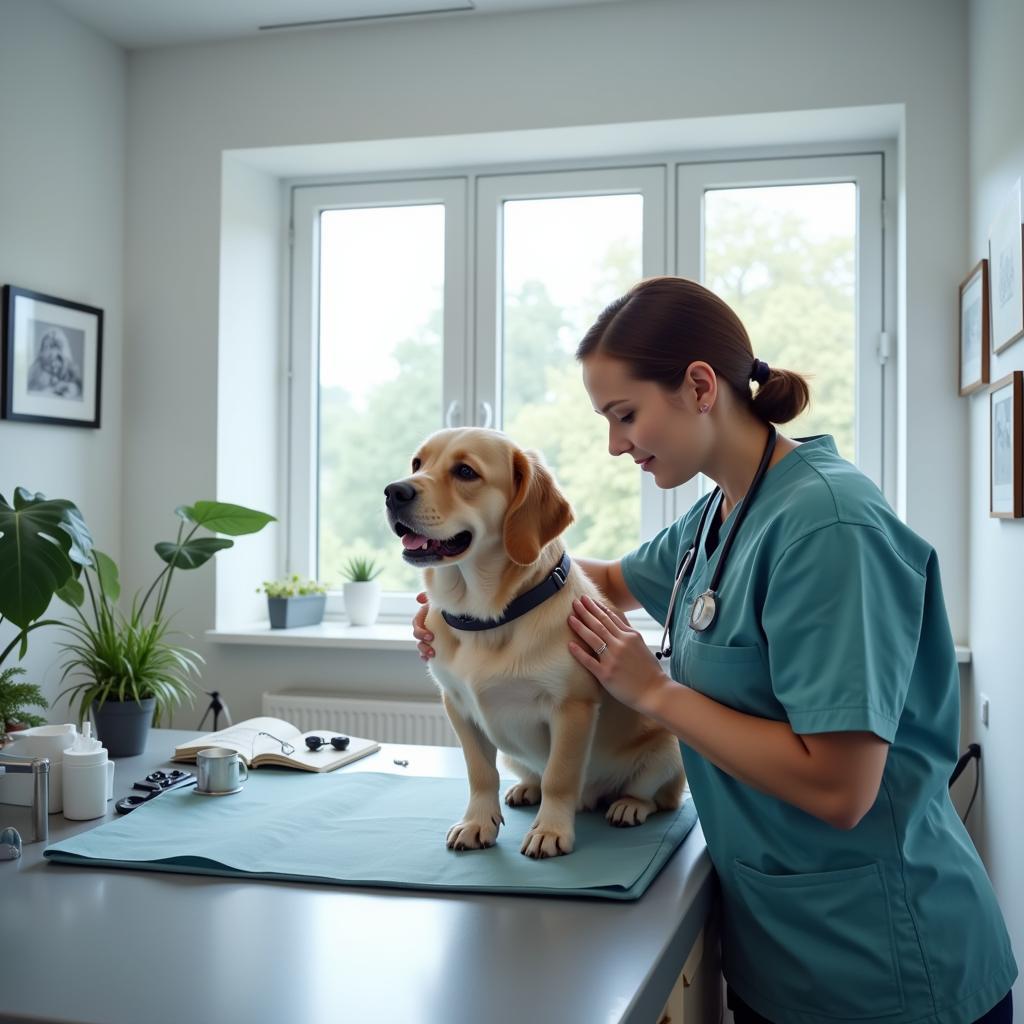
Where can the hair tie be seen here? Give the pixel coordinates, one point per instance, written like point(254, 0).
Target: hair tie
point(760, 371)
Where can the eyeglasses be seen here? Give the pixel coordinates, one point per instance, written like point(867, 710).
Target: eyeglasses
point(286, 747)
point(316, 742)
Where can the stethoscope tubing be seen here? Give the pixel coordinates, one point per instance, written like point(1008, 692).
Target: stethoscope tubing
point(705, 607)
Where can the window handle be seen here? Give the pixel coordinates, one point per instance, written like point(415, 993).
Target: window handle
point(452, 417)
point(486, 414)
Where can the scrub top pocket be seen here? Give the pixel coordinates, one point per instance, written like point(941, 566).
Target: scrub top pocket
point(818, 943)
point(736, 675)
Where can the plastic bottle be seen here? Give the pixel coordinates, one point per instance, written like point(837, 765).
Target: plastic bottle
point(88, 777)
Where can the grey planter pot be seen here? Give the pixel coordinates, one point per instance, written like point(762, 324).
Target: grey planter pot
point(122, 726)
point(286, 612)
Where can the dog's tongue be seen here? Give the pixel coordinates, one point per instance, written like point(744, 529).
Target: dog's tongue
point(414, 541)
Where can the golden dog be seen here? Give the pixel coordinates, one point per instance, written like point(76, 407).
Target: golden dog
point(484, 519)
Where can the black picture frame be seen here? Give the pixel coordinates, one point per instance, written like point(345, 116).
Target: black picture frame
point(52, 359)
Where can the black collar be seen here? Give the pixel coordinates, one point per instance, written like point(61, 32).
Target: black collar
point(521, 605)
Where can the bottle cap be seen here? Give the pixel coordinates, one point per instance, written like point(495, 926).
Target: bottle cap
point(75, 758)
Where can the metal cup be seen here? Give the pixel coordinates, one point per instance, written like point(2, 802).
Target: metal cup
point(219, 770)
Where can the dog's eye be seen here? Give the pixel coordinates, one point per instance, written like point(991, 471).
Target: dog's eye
point(416, 465)
point(464, 472)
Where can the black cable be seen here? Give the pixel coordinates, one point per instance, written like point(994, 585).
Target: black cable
point(973, 752)
point(970, 804)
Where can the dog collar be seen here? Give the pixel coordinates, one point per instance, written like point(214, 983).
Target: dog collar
point(521, 605)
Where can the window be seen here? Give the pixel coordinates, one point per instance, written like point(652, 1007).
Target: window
point(388, 277)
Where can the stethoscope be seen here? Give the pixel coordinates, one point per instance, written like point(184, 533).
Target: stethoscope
point(705, 607)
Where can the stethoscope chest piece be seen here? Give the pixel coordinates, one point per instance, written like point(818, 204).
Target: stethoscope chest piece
point(703, 612)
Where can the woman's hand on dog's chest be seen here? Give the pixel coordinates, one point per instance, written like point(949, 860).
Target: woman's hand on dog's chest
point(614, 653)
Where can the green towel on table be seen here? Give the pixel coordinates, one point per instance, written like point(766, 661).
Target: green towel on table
point(368, 828)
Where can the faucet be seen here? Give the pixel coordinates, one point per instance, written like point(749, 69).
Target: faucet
point(40, 769)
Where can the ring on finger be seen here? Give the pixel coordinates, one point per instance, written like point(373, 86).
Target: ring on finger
point(600, 650)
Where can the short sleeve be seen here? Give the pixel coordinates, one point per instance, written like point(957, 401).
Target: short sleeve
point(650, 570)
point(842, 616)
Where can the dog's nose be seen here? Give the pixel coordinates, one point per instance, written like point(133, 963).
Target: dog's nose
point(399, 495)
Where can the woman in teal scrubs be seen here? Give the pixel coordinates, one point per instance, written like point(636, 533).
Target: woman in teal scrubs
point(818, 712)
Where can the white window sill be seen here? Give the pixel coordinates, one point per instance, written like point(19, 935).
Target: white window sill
point(383, 636)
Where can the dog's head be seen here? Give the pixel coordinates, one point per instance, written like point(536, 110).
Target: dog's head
point(470, 491)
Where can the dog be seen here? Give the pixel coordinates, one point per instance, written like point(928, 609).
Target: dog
point(483, 519)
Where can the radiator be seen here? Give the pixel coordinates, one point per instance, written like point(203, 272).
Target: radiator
point(388, 721)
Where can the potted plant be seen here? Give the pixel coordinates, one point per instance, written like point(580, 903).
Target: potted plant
point(43, 544)
point(295, 602)
point(362, 591)
point(14, 699)
point(131, 673)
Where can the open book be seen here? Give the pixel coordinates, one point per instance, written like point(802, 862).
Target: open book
point(256, 749)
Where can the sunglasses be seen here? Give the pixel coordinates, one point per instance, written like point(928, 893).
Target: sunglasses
point(317, 742)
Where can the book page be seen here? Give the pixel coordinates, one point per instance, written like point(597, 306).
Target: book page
point(244, 737)
point(326, 759)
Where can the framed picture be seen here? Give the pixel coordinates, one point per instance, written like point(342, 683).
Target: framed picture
point(1006, 411)
point(1006, 269)
point(52, 359)
point(974, 329)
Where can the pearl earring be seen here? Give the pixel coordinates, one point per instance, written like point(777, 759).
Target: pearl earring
point(704, 408)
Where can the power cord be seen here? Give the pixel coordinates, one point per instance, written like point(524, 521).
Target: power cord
point(973, 752)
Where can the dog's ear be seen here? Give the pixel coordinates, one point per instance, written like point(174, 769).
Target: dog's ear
point(537, 513)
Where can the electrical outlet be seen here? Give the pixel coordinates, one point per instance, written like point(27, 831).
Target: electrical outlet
point(983, 709)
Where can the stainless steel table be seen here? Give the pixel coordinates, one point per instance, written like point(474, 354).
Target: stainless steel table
point(114, 946)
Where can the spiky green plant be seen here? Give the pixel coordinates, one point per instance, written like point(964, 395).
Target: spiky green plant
point(15, 697)
point(131, 656)
point(361, 570)
point(123, 657)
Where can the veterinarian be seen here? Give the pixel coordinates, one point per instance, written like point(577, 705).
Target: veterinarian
point(813, 683)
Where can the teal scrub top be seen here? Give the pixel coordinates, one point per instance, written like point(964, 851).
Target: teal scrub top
point(831, 618)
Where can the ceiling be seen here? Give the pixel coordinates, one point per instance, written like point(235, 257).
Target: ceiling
point(135, 24)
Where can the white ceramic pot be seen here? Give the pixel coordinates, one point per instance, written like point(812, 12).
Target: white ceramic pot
point(362, 602)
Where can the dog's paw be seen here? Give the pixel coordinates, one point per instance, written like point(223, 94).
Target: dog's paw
point(546, 841)
point(473, 834)
point(628, 811)
point(523, 794)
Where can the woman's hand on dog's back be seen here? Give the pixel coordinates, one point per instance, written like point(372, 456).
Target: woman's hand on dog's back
point(420, 631)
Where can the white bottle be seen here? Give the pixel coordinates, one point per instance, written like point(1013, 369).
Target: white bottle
point(88, 778)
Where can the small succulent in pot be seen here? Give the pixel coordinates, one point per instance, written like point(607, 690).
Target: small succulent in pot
point(361, 570)
point(362, 590)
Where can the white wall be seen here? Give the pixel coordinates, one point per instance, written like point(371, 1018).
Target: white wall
point(62, 178)
point(638, 61)
point(996, 547)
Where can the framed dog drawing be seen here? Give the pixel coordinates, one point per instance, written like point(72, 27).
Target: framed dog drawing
point(52, 359)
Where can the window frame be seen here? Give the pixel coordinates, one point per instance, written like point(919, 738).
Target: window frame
point(492, 192)
point(673, 244)
point(301, 495)
point(866, 172)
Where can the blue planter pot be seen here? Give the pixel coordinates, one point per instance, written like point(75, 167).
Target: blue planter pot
point(286, 612)
point(123, 725)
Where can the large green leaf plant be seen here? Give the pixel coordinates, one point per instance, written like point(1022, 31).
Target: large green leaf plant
point(120, 657)
point(44, 544)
